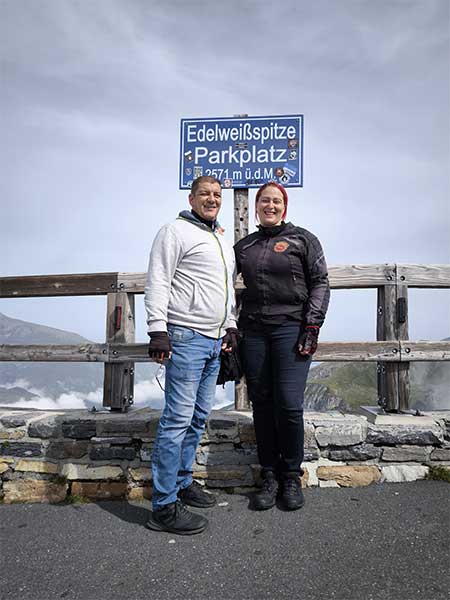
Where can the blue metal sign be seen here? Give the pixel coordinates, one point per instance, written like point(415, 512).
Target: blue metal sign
point(243, 152)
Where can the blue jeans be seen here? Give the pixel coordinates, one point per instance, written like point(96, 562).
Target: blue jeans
point(191, 376)
point(276, 378)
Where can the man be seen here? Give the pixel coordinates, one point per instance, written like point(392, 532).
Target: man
point(189, 299)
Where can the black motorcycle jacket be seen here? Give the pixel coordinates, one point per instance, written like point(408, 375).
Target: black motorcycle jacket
point(285, 276)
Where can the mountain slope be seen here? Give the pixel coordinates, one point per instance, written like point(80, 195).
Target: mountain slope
point(45, 379)
point(350, 385)
point(33, 380)
point(15, 331)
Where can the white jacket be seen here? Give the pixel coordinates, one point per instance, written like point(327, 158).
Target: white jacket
point(190, 279)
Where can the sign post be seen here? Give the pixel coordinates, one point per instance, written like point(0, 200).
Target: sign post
point(240, 204)
point(241, 401)
point(242, 152)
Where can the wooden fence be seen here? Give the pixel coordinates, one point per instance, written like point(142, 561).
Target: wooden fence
point(392, 351)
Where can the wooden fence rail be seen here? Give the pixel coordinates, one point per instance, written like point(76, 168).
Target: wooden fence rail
point(392, 351)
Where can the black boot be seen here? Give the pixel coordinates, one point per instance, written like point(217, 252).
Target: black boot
point(267, 496)
point(175, 518)
point(195, 495)
point(291, 494)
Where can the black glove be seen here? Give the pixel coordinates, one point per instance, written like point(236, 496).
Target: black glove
point(307, 342)
point(159, 347)
point(230, 340)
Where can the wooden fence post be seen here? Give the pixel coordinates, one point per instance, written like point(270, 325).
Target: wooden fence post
point(241, 401)
point(402, 334)
point(118, 384)
point(392, 324)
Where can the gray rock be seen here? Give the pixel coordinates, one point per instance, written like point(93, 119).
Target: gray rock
point(66, 449)
point(208, 456)
point(16, 420)
point(342, 434)
point(391, 435)
point(224, 428)
point(111, 440)
point(20, 449)
point(81, 429)
point(105, 453)
point(47, 427)
point(146, 454)
point(442, 454)
point(359, 452)
point(447, 430)
point(406, 453)
point(127, 426)
point(311, 454)
point(310, 436)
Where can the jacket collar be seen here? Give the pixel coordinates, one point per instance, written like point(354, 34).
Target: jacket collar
point(272, 231)
point(188, 216)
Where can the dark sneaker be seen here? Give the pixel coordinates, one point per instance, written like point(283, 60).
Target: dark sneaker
point(267, 496)
point(195, 495)
point(292, 495)
point(175, 518)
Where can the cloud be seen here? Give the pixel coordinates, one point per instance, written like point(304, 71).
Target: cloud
point(147, 393)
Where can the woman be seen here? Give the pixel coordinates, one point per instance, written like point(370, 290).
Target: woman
point(282, 309)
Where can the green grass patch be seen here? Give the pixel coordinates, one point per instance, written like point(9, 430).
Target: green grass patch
point(75, 499)
point(439, 473)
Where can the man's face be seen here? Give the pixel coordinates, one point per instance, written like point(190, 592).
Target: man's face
point(207, 200)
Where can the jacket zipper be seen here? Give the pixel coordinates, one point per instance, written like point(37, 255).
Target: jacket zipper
point(225, 271)
point(262, 266)
point(206, 228)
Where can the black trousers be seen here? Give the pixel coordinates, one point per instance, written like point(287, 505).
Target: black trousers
point(276, 378)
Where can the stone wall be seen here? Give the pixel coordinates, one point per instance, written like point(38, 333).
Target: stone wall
point(69, 455)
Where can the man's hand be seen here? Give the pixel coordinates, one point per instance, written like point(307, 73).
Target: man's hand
point(159, 347)
point(230, 340)
point(307, 342)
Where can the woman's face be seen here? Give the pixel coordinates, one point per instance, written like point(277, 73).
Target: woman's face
point(270, 206)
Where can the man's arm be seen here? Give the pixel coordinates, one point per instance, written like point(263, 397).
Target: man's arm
point(165, 256)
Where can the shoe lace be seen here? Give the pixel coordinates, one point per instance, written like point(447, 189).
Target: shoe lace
point(291, 486)
point(180, 509)
point(268, 484)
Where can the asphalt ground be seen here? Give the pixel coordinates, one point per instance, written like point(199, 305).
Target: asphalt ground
point(385, 542)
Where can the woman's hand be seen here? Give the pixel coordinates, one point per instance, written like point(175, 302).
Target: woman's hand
point(307, 342)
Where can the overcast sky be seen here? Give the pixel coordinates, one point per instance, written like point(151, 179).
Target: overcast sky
point(92, 93)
